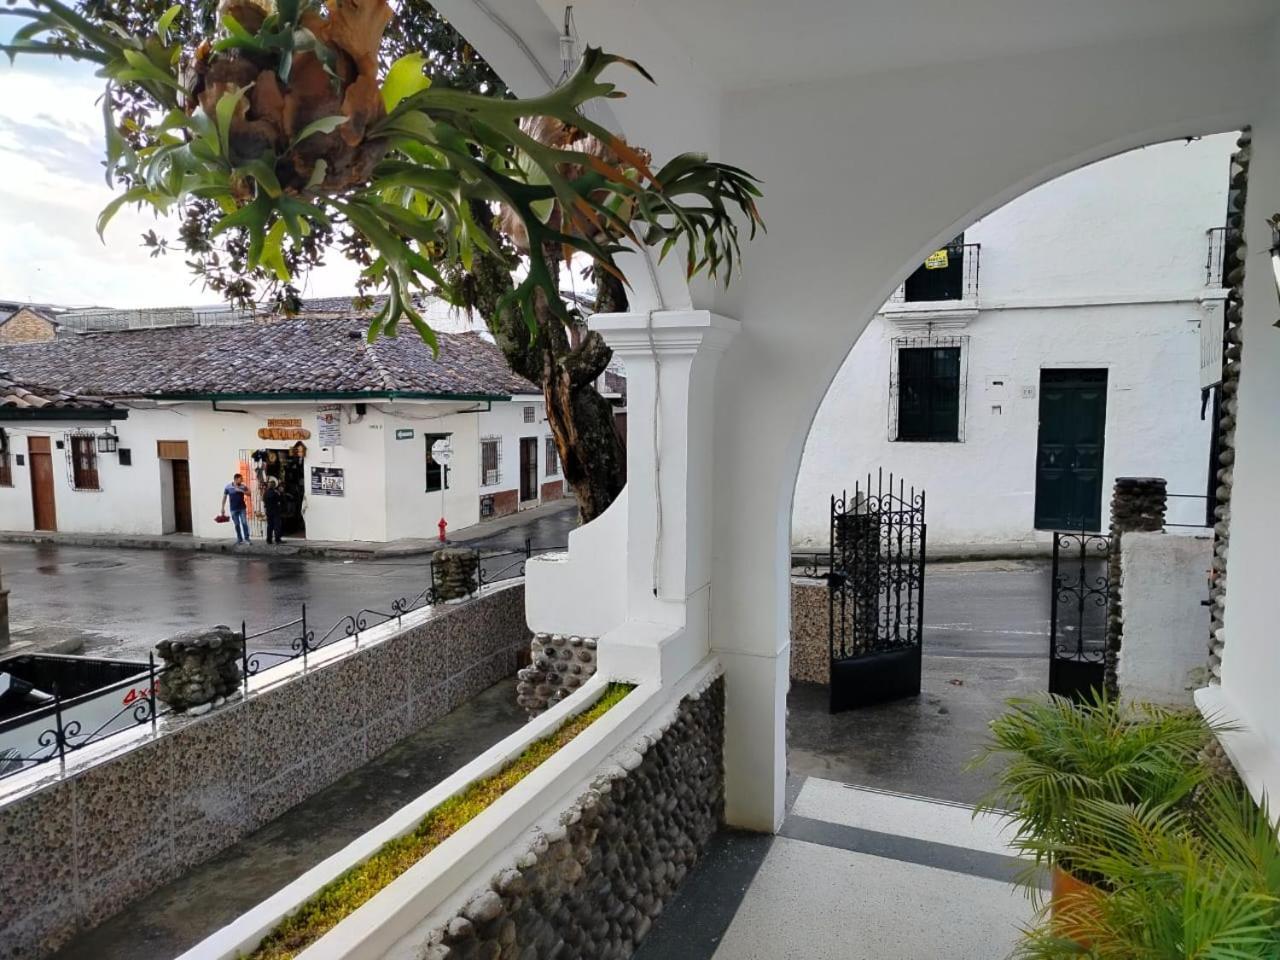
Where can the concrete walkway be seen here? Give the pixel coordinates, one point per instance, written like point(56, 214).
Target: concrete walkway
point(854, 874)
point(179, 915)
point(335, 549)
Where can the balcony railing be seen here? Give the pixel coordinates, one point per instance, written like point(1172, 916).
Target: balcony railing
point(1215, 257)
point(949, 276)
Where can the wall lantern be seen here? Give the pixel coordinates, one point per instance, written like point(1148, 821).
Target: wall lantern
point(108, 442)
point(1275, 253)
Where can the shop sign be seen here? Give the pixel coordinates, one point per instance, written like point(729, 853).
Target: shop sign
point(329, 425)
point(327, 482)
point(284, 428)
point(938, 260)
point(404, 433)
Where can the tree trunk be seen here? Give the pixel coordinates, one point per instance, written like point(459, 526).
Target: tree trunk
point(592, 457)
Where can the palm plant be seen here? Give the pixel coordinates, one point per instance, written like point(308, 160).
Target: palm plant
point(1191, 882)
point(1063, 756)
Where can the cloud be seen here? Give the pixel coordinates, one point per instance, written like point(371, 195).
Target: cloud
point(52, 189)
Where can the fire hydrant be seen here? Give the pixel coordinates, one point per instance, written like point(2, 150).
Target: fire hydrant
point(443, 527)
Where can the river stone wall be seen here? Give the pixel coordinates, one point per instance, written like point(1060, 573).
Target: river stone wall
point(200, 669)
point(592, 886)
point(558, 666)
point(77, 849)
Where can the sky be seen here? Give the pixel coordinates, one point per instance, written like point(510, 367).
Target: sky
point(52, 189)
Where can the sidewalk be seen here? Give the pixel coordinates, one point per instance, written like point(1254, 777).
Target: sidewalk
point(854, 874)
point(327, 549)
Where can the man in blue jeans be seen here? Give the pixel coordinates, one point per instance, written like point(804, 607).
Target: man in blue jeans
point(233, 494)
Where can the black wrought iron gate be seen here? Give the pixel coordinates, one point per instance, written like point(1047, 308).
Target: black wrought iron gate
point(876, 595)
point(1078, 613)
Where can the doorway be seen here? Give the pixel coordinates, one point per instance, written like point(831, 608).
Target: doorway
point(1073, 424)
point(181, 496)
point(288, 466)
point(175, 484)
point(43, 506)
point(528, 469)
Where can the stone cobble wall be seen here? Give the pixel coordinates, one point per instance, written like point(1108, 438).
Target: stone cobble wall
point(593, 886)
point(1233, 268)
point(558, 666)
point(810, 643)
point(81, 849)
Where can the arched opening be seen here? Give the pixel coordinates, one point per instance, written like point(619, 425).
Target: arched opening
point(1053, 346)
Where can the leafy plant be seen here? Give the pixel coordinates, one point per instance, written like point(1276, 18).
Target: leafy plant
point(1061, 757)
point(286, 119)
point(1194, 882)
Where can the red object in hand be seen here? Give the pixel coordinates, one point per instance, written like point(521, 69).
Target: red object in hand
point(443, 527)
point(222, 518)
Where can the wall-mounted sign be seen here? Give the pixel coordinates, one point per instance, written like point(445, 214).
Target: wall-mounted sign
point(404, 433)
point(327, 482)
point(329, 425)
point(938, 260)
point(284, 428)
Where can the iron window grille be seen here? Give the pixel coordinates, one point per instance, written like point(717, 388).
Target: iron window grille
point(437, 473)
point(530, 415)
point(82, 460)
point(949, 275)
point(490, 461)
point(553, 458)
point(1215, 258)
point(928, 383)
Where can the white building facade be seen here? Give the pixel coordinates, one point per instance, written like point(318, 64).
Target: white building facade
point(355, 465)
point(1066, 353)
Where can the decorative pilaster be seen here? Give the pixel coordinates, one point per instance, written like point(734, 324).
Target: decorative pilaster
point(1233, 268)
point(1137, 504)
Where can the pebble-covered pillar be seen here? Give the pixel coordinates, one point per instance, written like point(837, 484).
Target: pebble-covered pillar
point(1233, 268)
point(560, 665)
point(1137, 504)
point(455, 573)
point(200, 669)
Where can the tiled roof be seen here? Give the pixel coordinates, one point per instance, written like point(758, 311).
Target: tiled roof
point(299, 356)
point(15, 396)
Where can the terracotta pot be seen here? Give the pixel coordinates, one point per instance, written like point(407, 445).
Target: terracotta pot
point(1073, 905)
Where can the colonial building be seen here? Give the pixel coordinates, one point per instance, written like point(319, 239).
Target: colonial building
point(346, 427)
point(1054, 346)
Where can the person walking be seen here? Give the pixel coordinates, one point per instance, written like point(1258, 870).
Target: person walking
point(273, 502)
point(233, 495)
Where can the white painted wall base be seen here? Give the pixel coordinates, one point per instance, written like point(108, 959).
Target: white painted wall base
point(1163, 583)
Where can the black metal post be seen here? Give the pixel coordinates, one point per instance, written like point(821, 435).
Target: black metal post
point(528, 547)
point(304, 636)
point(60, 731)
point(151, 687)
point(244, 657)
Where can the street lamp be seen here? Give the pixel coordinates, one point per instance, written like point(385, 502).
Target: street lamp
point(108, 442)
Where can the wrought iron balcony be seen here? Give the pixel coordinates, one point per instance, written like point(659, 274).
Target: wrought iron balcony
point(1214, 274)
point(948, 276)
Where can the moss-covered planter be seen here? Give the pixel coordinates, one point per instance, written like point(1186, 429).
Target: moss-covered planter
point(342, 896)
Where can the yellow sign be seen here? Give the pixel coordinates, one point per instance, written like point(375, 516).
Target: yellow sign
point(937, 260)
point(284, 428)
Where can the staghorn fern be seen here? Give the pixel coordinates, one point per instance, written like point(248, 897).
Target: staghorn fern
point(286, 120)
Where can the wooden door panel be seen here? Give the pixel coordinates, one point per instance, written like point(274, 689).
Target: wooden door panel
point(1070, 448)
point(181, 496)
point(43, 505)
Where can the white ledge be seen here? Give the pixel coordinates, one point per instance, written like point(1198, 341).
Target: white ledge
point(1254, 758)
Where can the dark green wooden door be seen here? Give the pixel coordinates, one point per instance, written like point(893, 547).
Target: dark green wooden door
point(1073, 424)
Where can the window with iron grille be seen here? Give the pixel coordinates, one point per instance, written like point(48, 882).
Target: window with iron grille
point(553, 458)
point(82, 451)
point(927, 390)
point(530, 414)
point(948, 274)
point(490, 461)
point(6, 469)
point(437, 473)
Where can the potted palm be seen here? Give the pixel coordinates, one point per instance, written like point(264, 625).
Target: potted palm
point(1192, 880)
point(1061, 757)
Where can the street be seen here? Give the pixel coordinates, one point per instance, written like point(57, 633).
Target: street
point(119, 603)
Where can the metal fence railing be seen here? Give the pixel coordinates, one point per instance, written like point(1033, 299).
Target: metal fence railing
point(265, 649)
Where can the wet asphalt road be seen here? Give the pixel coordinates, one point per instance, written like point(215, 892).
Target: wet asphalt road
point(119, 603)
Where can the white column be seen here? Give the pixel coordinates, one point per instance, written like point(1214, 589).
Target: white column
point(671, 359)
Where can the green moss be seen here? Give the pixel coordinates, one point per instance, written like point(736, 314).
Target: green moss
point(340, 897)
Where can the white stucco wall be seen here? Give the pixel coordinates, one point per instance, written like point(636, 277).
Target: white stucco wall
point(1163, 586)
point(1103, 267)
point(506, 420)
point(385, 495)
